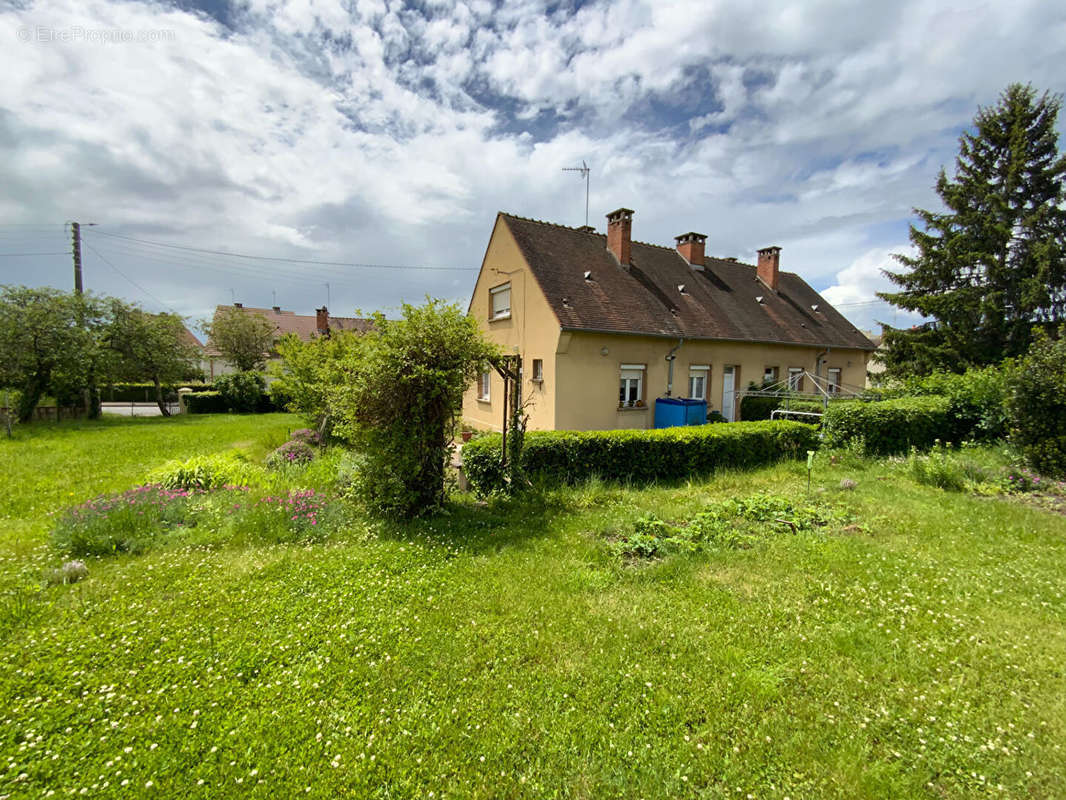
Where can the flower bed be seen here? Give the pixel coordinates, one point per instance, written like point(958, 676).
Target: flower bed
point(142, 517)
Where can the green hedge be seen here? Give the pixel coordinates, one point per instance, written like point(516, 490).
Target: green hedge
point(890, 426)
point(143, 392)
point(978, 400)
point(641, 456)
point(205, 403)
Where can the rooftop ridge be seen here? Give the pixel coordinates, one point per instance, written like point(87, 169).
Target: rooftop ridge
point(575, 229)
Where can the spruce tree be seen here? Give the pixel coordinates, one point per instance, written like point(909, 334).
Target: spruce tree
point(992, 266)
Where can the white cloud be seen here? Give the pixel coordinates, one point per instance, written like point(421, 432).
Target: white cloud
point(379, 132)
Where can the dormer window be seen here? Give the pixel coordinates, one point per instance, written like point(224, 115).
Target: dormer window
point(500, 301)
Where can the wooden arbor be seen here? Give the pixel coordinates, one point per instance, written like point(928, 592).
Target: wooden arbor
point(510, 369)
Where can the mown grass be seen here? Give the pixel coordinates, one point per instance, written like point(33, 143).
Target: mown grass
point(503, 651)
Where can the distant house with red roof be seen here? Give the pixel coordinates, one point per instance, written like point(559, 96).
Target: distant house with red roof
point(307, 327)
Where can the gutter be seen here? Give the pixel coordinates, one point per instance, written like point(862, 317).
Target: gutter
point(670, 357)
point(573, 329)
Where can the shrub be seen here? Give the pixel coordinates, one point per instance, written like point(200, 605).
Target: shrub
point(1036, 405)
point(241, 391)
point(307, 436)
point(890, 426)
point(207, 472)
point(638, 455)
point(205, 403)
point(977, 398)
point(754, 408)
point(294, 452)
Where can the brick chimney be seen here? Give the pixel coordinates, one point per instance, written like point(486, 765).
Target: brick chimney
point(620, 234)
point(769, 266)
point(322, 319)
point(690, 246)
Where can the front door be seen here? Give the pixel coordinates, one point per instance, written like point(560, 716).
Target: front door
point(728, 395)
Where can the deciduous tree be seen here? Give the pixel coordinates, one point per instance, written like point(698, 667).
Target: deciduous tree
point(244, 339)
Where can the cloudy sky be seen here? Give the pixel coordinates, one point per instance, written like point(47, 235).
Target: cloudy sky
point(388, 133)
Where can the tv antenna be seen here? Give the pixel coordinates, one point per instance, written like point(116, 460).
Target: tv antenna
point(584, 170)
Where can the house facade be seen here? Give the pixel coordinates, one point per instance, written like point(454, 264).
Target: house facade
point(605, 325)
point(305, 326)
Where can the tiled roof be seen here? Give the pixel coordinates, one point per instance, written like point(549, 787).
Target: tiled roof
point(189, 338)
point(304, 326)
point(716, 303)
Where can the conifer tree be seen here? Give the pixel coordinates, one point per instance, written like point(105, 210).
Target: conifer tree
point(992, 265)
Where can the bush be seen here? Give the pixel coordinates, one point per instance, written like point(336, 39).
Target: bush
point(637, 455)
point(890, 426)
point(754, 408)
point(294, 452)
point(207, 472)
point(307, 436)
point(1036, 405)
point(977, 397)
point(205, 403)
point(242, 391)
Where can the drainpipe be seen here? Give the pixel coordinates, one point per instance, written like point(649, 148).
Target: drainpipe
point(670, 370)
point(818, 373)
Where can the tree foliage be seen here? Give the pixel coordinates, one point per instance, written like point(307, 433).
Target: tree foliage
point(1036, 405)
point(992, 265)
point(149, 347)
point(245, 340)
point(307, 370)
point(47, 343)
point(393, 393)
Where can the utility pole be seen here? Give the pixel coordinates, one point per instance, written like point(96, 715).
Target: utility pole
point(75, 238)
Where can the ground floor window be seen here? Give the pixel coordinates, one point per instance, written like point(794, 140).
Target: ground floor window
point(834, 380)
point(769, 375)
point(631, 386)
point(484, 385)
point(795, 379)
point(697, 381)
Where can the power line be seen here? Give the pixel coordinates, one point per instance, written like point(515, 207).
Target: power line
point(281, 259)
point(239, 270)
point(128, 278)
point(53, 253)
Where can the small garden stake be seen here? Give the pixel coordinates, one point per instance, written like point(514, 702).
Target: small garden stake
point(810, 466)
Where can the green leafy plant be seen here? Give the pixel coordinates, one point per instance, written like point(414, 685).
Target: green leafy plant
point(1037, 405)
point(937, 468)
point(208, 472)
point(241, 391)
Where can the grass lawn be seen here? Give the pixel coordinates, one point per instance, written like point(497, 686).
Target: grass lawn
point(503, 651)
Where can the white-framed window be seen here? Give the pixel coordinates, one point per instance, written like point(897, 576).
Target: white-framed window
point(698, 377)
point(538, 370)
point(631, 385)
point(769, 375)
point(834, 380)
point(500, 301)
point(484, 386)
point(795, 379)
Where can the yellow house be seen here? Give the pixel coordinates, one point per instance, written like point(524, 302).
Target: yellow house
point(605, 325)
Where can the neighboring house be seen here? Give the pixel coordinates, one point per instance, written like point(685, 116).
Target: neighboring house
point(874, 367)
point(596, 317)
point(306, 327)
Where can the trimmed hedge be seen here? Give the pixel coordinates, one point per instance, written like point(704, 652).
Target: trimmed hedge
point(142, 392)
point(639, 455)
point(205, 403)
point(890, 426)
